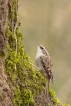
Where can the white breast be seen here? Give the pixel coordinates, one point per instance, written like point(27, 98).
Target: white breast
point(38, 61)
point(39, 52)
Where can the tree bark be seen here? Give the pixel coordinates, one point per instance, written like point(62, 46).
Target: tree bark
point(5, 89)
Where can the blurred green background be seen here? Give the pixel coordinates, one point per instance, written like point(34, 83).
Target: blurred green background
point(48, 22)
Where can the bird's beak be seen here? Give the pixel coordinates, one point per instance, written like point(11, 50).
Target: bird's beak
point(37, 43)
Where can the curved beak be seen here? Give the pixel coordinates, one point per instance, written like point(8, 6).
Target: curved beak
point(37, 43)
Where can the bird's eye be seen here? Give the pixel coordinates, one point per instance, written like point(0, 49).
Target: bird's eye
point(41, 47)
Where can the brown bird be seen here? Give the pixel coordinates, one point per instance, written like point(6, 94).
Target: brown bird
point(45, 66)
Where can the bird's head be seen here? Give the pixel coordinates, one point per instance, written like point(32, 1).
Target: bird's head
point(42, 49)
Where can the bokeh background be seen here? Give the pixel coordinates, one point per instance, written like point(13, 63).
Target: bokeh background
point(48, 22)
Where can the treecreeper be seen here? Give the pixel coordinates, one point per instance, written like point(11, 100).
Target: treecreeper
point(45, 66)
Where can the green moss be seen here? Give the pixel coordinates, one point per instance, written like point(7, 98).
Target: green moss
point(54, 99)
point(24, 78)
point(17, 96)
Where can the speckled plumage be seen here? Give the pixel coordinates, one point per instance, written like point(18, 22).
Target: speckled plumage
point(44, 64)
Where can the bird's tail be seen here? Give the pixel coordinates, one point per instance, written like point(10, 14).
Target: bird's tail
point(47, 88)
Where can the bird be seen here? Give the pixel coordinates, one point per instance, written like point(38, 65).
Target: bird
point(45, 66)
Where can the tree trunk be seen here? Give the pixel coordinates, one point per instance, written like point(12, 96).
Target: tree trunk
point(5, 89)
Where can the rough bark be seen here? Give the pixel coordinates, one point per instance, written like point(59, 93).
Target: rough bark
point(3, 22)
point(5, 90)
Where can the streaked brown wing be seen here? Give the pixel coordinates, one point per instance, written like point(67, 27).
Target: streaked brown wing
point(47, 65)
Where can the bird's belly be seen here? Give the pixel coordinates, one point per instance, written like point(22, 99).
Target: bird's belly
point(40, 67)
